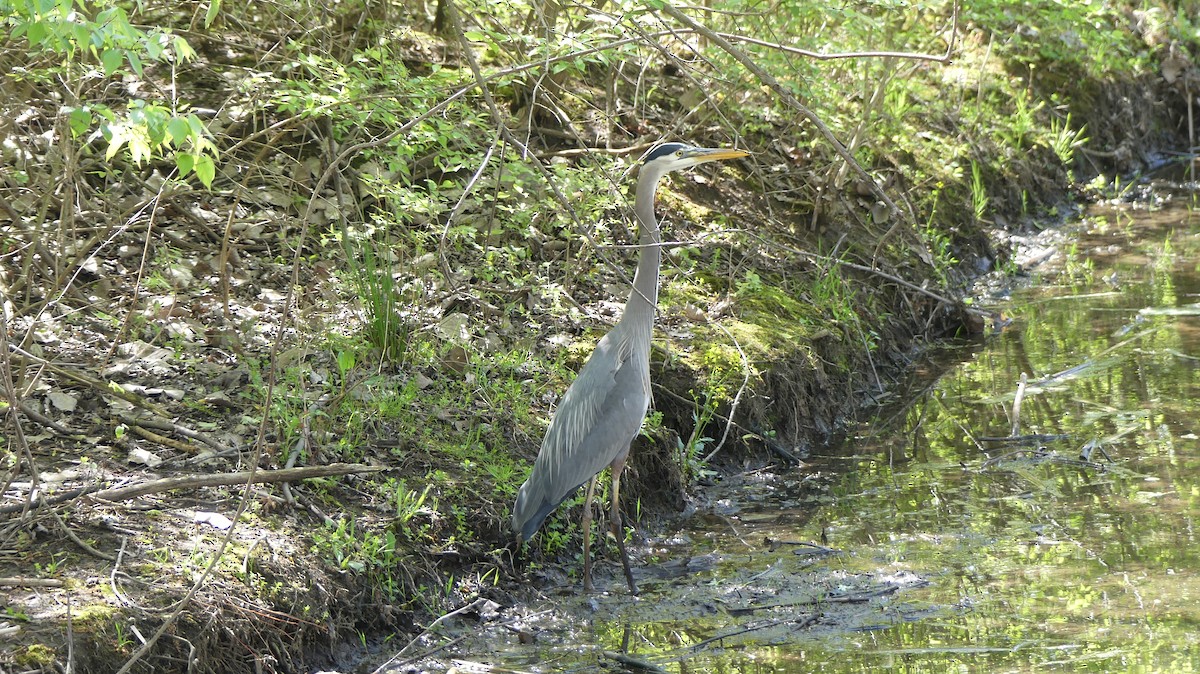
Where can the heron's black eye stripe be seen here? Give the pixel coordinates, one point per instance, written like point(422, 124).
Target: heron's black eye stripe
point(666, 150)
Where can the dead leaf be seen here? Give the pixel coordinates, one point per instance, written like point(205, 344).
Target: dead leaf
point(1172, 68)
point(453, 328)
point(63, 401)
point(148, 353)
point(219, 399)
point(144, 457)
point(215, 520)
point(695, 314)
point(456, 359)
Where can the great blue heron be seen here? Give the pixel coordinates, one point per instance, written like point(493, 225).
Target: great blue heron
point(603, 409)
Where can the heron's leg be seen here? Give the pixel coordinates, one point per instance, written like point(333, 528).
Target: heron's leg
point(587, 535)
point(614, 517)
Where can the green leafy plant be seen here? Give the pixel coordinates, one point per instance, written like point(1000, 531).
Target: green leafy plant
point(101, 32)
point(52, 567)
point(693, 450)
point(1022, 123)
point(1064, 140)
point(979, 196)
point(109, 38)
point(376, 287)
point(1077, 269)
point(357, 550)
point(937, 240)
point(408, 502)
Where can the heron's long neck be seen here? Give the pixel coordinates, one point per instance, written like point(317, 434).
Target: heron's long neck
point(644, 296)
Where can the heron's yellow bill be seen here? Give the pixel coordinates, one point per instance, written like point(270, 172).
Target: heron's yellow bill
point(712, 154)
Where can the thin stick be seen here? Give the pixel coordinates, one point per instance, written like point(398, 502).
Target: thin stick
point(164, 425)
point(244, 477)
point(77, 541)
point(101, 386)
point(19, 581)
point(70, 638)
point(630, 662)
point(10, 395)
point(44, 420)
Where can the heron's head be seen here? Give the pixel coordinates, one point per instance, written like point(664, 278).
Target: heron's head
point(674, 156)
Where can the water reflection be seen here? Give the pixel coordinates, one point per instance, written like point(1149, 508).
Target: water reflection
point(1059, 563)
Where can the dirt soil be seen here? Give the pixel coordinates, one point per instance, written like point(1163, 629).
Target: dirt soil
point(141, 452)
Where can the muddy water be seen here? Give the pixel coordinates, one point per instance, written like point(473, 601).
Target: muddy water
point(934, 541)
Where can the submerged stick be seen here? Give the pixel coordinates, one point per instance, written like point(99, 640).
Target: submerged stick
point(632, 663)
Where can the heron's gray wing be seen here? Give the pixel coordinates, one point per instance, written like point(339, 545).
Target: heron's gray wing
point(598, 417)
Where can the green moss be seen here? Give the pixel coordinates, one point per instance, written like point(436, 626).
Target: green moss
point(90, 616)
point(35, 655)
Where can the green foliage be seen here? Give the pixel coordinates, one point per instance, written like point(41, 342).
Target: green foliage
point(1057, 35)
point(1022, 124)
point(1078, 270)
point(372, 277)
point(1064, 140)
point(110, 39)
point(113, 42)
point(146, 128)
point(358, 551)
point(692, 451)
point(938, 241)
point(979, 197)
point(408, 503)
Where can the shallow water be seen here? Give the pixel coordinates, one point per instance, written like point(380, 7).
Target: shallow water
point(944, 546)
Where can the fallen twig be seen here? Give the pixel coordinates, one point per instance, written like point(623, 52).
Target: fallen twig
point(806, 621)
point(40, 418)
point(164, 425)
point(1030, 439)
point(39, 502)
point(21, 581)
point(848, 598)
point(231, 479)
point(78, 541)
point(104, 387)
point(163, 440)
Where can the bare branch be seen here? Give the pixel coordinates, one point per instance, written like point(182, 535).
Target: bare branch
point(244, 477)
